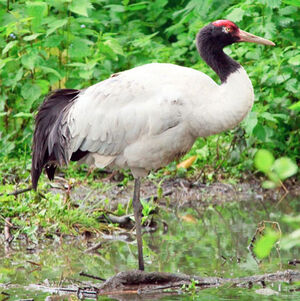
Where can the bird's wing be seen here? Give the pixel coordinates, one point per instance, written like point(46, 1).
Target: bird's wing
point(115, 113)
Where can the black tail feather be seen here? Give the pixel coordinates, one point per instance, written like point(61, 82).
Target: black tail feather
point(48, 150)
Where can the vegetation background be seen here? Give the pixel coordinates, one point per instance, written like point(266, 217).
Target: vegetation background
point(52, 44)
point(45, 45)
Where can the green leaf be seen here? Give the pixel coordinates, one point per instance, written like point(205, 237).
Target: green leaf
point(236, 15)
point(265, 244)
point(53, 26)
point(77, 64)
point(250, 122)
point(81, 7)
point(292, 220)
point(17, 78)
point(114, 45)
point(273, 176)
point(8, 46)
point(263, 160)
point(271, 3)
point(29, 60)
point(116, 8)
point(268, 185)
point(295, 60)
point(287, 10)
point(144, 41)
point(285, 22)
point(292, 2)
point(282, 78)
point(44, 85)
point(50, 70)
point(292, 85)
point(37, 10)
point(270, 29)
point(285, 168)
point(31, 91)
point(295, 106)
point(260, 132)
point(23, 115)
point(290, 241)
point(53, 41)
point(79, 48)
point(4, 61)
point(86, 74)
point(268, 116)
point(31, 37)
point(138, 6)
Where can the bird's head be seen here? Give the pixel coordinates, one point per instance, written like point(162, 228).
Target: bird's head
point(211, 40)
point(225, 32)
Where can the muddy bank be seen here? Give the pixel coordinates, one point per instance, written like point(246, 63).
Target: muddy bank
point(177, 192)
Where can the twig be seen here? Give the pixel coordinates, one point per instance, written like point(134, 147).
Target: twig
point(91, 276)
point(6, 221)
point(7, 234)
point(7, 227)
point(259, 230)
point(226, 155)
point(34, 263)
point(155, 197)
point(16, 192)
point(95, 247)
point(286, 192)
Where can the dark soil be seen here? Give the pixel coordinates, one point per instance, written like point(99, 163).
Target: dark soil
point(177, 192)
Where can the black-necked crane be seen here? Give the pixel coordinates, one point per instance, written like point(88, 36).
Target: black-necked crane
point(145, 117)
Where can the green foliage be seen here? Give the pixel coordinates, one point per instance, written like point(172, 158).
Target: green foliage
point(36, 216)
point(52, 44)
point(277, 170)
point(264, 160)
point(191, 288)
point(148, 208)
point(292, 239)
point(295, 106)
point(265, 244)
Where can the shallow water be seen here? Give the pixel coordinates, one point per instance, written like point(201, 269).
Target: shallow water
point(204, 242)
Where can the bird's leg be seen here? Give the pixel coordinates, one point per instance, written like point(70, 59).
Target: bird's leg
point(137, 207)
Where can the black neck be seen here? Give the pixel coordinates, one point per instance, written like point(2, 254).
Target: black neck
point(213, 54)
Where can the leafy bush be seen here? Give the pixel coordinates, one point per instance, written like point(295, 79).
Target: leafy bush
point(277, 170)
point(74, 43)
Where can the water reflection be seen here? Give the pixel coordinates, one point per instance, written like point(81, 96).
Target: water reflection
point(205, 242)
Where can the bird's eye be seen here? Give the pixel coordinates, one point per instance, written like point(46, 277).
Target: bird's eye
point(226, 29)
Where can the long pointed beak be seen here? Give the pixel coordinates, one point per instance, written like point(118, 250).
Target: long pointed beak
point(248, 37)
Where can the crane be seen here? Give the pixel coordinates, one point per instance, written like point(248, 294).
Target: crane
point(145, 117)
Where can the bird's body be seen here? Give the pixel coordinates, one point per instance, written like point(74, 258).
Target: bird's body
point(145, 117)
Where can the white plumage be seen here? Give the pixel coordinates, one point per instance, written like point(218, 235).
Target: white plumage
point(145, 117)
